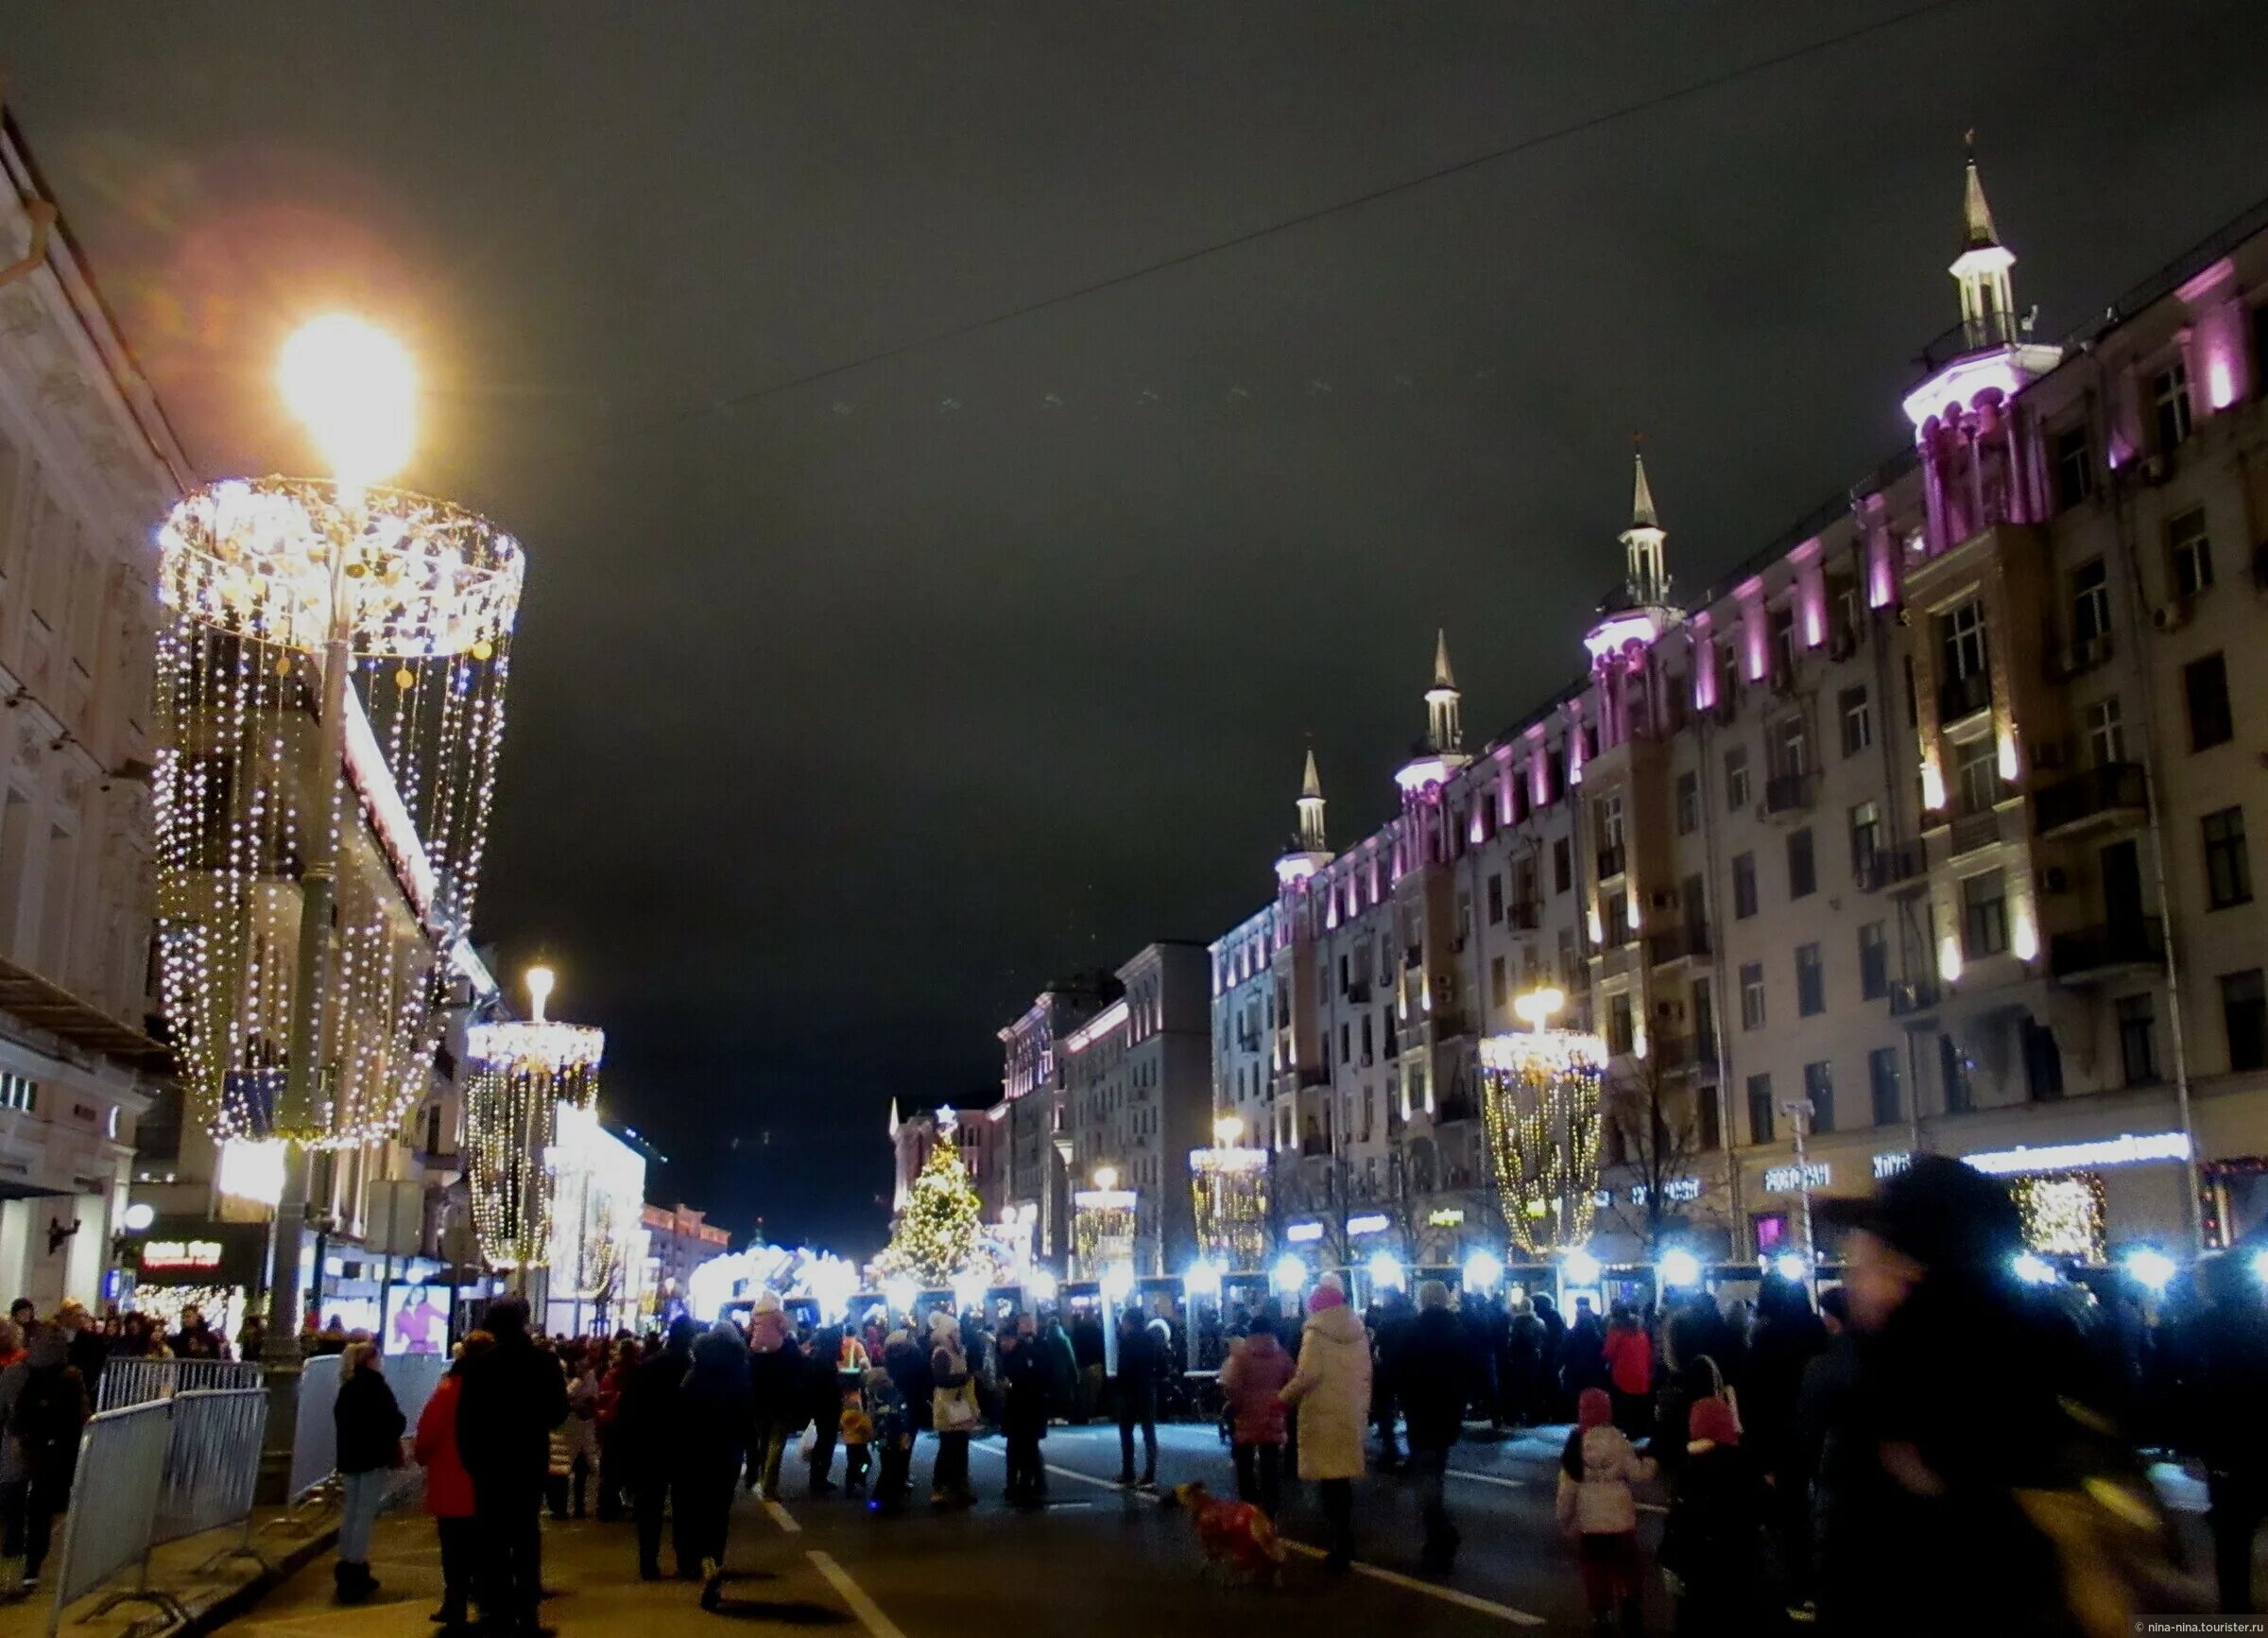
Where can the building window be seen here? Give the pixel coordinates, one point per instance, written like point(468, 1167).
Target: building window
point(2227, 865)
point(1865, 839)
point(1965, 654)
point(19, 1094)
point(2105, 732)
point(2091, 601)
point(1984, 915)
point(1858, 721)
point(1759, 1109)
point(1707, 1138)
point(1790, 748)
point(1882, 1085)
point(1820, 1086)
point(2074, 467)
point(1980, 775)
point(1498, 990)
point(1803, 874)
point(1563, 865)
point(2190, 552)
point(2170, 400)
point(1689, 803)
point(1736, 778)
point(1743, 887)
point(1952, 1074)
point(2138, 1039)
point(1620, 1029)
point(2205, 685)
point(1752, 996)
point(1874, 961)
point(2244, 1018)
point(1811, 981)
point(1496, 900)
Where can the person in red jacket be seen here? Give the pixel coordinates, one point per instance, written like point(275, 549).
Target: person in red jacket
point(1630, 1373)
point(1252, 1381)
point(449, 1488)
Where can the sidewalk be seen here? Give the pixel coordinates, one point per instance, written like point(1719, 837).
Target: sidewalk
point(212, 1593)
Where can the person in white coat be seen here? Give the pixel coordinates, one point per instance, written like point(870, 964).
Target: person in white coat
point(1331, 1390)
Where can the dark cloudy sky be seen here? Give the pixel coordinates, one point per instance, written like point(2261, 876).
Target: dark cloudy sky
point(843, 716)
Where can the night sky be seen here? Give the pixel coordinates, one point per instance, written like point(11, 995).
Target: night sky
point(844, 714)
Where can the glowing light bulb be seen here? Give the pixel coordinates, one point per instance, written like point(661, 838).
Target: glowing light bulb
point(1535, 1008)
point(354, 389)
point(1105, 1177)
point(1290, 1273)
point(2151, 1269)
point(1678, 1268)
point(1226, 1130)
point(1482, 1270)
point(1203, 1278)
point(1385, 1271)
point(1579, 1268)
point(2033, 1268)
point(540, 981)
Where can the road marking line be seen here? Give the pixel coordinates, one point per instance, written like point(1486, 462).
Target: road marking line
point(781, 1517)
point(1488, 1479)
point(869, 1612)
point(1451, 1594)
point(1652, 1507)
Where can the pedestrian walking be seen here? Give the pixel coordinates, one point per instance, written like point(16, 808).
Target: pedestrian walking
point(907, 1363)
point(1390, 1318)
point(893, 1436)
point(1435, 1381)
point(1583, 1353)
point(613, 1484)
point(510, 1399)
point(1086, 1345)
point(1516, 1366)
point(1628, 1352)
point(715, 1416)
point(1134, 1391)
point(2221, 1363)
point(574, 1441)
point(1331, 1390)
point(648, 1433)
point(44, 1409)
point(1062, 1370)
point(1788, 1336)
point(85, 1347)
point(1253, 1378)
point(822, 1375)
point(449, 1488)
point(952, 1412)
point(780, 1394)
point(369, 1426)
point(1598, 1509)
point(1024, 1414)
point(1711, 1556)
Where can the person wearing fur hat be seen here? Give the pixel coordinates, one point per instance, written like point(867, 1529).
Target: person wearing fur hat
point(1711, 1548)
point(1598, 1509)
point(1331, 1390)
point(952, 1412)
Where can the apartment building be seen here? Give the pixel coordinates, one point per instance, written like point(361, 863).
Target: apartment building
point(1038, 1144)
point(1925, 830)
point(679, 1240)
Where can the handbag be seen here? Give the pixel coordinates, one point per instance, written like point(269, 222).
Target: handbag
point(958, 1412)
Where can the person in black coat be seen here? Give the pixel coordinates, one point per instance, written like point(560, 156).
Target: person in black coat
point(512, 1397)
point(1788, 1337)
point(44, 1409)
point(713, 1412)
point(648, 1432)
point(369, 1424)
point(1023, 1380)
point(2220, 1361)
point(822, 1374)
point(1433, 1378)
point(1138, 1365)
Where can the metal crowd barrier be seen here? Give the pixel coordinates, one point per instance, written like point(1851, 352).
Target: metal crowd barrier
point(109, 1526)
point(315, 1435)
point(130, 1381)
point(211, 1465)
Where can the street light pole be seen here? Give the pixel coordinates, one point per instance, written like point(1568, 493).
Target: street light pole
point(1799, 1111)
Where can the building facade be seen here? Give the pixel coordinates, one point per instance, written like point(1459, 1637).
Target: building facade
point(1925, 830)
point(679, 1240)
point(1037, 1177)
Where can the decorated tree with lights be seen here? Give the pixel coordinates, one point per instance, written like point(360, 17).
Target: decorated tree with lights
point(1540, 1109)
point(936, 1234)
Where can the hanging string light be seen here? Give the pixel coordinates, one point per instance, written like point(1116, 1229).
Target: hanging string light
point(427, 595)
point(1540, 1111)
point(2062, 1214)
point(1102, 1224)
point(1229, 1181)
point(523, 1073)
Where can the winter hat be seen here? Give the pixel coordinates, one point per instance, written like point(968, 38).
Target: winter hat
point(1330, 1292)
point(1945, 1215)
point(767, 1301)
point(1432, 1294)
point(1593, 1409)
point(1711, 1419)
point(942, 1323)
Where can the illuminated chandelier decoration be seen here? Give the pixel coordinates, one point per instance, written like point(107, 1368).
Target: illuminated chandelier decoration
point(1539, 1107)
point(1102, 1224)
point(521, 1074)
point(426, 597)
point(1230, 1184)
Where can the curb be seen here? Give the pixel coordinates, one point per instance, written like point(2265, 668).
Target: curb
point(240, 1599)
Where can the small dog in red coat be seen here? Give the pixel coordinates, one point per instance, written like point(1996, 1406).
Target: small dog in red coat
point(1235, 1536)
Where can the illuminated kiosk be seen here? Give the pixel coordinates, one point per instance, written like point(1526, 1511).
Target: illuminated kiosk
point(1229, 1181)
point(330, 695)
point(1540, 1109)
point(523, 1073)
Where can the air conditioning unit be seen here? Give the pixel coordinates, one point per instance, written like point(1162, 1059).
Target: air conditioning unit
point(2170, 617)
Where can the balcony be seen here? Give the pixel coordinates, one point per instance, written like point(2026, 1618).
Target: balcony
point(1789, 793)
point(2078, 657)
point(2107, 951)
point(1448, 1023)
point(1455, 1108)
point(1678, 944)
point(1972, 831)
point(1959, 698)
point(1614, 960)
point(1985, 332)
point(1359, 989)
point(1911, 997)
point(1313, 1078)
point(2105, 797)
point(1611, 863)
point(1523, 915)
point(1887, 866)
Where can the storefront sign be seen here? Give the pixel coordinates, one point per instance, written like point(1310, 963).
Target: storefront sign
point(1788, 1179)
point(1369, 1223)
point(1300, 1233)
point(2123, 1150)
point(181, 1256)
point(1673, 1189)
point(1890, 1165)
point(1446, 1218)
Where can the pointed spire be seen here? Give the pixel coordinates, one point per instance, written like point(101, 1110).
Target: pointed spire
point(1442, 675)
point(1311, 785)
point(893, 1117)
point(1641, 497)
point(1976, 215)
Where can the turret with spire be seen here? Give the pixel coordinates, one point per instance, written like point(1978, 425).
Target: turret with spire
point(1647, 577)
point(1310, 852)
point(1443, 753)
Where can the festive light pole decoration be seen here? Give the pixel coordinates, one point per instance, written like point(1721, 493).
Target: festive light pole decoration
point(1230, 1184)
point(267, 581)
point(936, 1234)
point(522, 1075)
point(1102, 1224)
point(1540, 1109)
point(2063, 1214)
point(598, 1189)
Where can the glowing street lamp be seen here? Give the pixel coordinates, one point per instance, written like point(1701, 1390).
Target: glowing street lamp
point(1678, 1269)
point(1484, 1271)
point(352, 387)
point(1289, 1276)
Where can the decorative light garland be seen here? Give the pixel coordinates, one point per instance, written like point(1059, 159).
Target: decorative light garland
point(1231, 1186)
point(1540, 1111)
point(2062, 1213)
point(431, 592)
point(1101, 1228)
point(524, 1073)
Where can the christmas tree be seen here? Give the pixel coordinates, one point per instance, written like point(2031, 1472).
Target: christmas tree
point(936, 1235)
